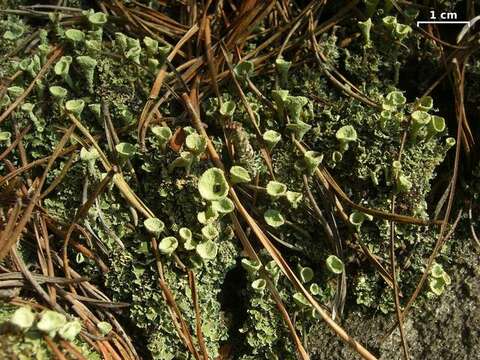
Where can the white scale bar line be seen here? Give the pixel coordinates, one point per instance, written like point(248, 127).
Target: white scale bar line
point(443, 22)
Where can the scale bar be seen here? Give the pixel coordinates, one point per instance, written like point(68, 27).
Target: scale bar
point(443, 22)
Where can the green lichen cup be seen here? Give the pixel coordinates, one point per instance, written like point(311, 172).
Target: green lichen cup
point(185, 160)
point(315, 289)
point(75, 36)
point(14, 32)
point(5, 136)
point(98, 19)
point(23, 318)
point(294, 106)
point(162, 134)
point(425, 103)
point(437, 271)
point(15, 91)
point(62, 68)
point(196, 143)
point(283, 66)
point(70, 330)
point(365, 28)
point(63, 65)
point(259, 285)
point(357, 218)
point(50, 322)
point(185, 234)
point(294, 198)
point(306, 274)
point(450, 142)
point(301, 300)
point(346, 135)
point(212, 185)
point(168, 245)
point(227, 109)
point(207, 250)
point(186, 238)
point(154, 226)
point(272, 268)
point(312, 159)
point(244, 69)
point(274, 218)
point(89, 157)
point(419, 120)
point(125, 150)
point(337, 157)
point(210, 232)
point(401, 31)
point(251, 266)
point(58, 93)
point(151, 45)
point(208, 216)
point(403, 184)
point(223, 206)
point(396, 169)
point(393, 101)
point(276, 189)
point(280, 96)
point(87, 64)
point(299, 129)
point(435, 127)
point(75, 106)
point(163, 52)
point(389, 22)
point(271, 138)
point(239, 174)
point(334, 265)
point(437, 286)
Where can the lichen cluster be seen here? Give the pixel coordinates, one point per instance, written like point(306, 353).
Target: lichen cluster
point(387, 146)
point(22, 331)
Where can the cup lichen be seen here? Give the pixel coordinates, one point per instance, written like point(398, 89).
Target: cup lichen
point(276, 189)
point(212, 185)
point(365, 28)
point(259, 285)
point(168, 245)
point(306, 274)
point(154, 226)
point(59, 93)
point(75, 36)
point(23, 318)
point(274, 218)
point(419, 120)
point(163, 135)
point(251, 266)
point(271, 138)
point(227, 109)
point(346, 135)
point(282, 67)
point(435, 127)
point(207, 250)
point(334, 264)
point(87, 65)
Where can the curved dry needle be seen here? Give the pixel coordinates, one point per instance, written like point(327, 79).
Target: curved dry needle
point(87, 223)
point(466, 28)
point(102, 221)
point(101, 216)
